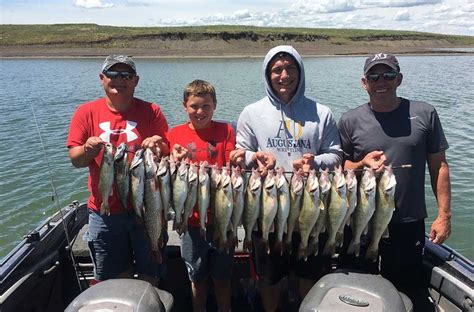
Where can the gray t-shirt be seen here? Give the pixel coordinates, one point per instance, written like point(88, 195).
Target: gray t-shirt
point(406, 135)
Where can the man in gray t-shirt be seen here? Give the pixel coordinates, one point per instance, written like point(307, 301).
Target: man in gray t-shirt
point(390, 130)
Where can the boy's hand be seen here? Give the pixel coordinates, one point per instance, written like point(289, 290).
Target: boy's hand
point(154, 143)
point(237, 158)
point(179, 152)
point(265, 161)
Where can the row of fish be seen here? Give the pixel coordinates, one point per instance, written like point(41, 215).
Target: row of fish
point(311, 205)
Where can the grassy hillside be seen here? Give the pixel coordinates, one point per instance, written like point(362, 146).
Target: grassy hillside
point(106, 36)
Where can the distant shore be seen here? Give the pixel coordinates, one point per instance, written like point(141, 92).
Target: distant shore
point(238, 49)
point(91, 40)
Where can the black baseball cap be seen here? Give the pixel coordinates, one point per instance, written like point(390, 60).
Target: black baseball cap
point(381, 58)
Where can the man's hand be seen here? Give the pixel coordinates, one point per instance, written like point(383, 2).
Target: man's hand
point(440, 229)
point(264, 161)
point(237, 158)
point(93, 146)
point(179, 152)
point(306, 163)
point(374, 160)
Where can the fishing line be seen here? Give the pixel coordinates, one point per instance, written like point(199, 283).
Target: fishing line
point(56, 196)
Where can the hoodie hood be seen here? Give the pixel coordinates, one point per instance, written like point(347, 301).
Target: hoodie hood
point(268, 85)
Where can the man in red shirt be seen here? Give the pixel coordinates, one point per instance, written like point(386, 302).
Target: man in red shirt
point(202, 139)
point(115, 240)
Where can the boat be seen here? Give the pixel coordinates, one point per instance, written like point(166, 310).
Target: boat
point(51, 270)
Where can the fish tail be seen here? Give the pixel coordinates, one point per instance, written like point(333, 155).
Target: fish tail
point(287, 247)
point(104, 208)
point(315, 246)
point(330, 248)
point(203, 232)
point(301, 252)
point(184, 227)
point(372, 253)
point(247, 244)
point(351, 248)
point(339, 239)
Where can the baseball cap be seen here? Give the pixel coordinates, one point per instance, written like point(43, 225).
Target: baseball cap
point(113, 59)
point(381, 58)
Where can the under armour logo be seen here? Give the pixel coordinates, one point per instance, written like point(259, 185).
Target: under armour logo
point(105, 136)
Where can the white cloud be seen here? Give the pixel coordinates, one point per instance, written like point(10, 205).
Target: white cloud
point(468, 7)
point(402, 16)
point(325, 6)
point(242, 14)
point(92, 4)
point(442, 9)
point(399, 3)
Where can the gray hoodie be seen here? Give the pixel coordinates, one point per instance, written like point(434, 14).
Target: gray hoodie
point(289, 130)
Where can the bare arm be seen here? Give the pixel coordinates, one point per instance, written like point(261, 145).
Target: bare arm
point(82, 156)
point(441, 185)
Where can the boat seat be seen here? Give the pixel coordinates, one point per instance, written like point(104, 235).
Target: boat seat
point(352, 291)
point(122, 295)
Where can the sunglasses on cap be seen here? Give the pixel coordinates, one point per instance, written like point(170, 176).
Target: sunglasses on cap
point(112, 74)
point(390, 75)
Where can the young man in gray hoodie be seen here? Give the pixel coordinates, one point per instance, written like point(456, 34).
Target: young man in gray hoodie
point(285, 129)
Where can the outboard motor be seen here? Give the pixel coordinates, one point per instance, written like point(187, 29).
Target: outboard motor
point(122, 295)
point(350, 291)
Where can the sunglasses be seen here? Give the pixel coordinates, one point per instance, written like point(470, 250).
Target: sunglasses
point(390, 75)
point(112, 74)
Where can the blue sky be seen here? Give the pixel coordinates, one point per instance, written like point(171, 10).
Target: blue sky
point(439, 16)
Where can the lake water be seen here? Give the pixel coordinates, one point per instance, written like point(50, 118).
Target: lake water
point(53, 88)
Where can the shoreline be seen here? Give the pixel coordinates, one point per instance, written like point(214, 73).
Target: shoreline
point(211, 48)
point(229, 56)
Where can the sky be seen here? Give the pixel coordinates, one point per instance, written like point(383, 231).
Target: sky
point(438, 16)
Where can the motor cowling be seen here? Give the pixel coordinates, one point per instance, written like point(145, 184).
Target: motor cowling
point(352, 291)
point(122, 295)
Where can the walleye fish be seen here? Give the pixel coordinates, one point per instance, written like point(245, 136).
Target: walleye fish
point(252, 206)
point(283, 211)
point(320, 226)
point(204, 195)
point(164, 177)
point(173, 175)
point(191, 197)
point(215, 180)
point(238, 189)
point(137, 183)
point(269, 206)
point(336, 211)
point(153, 212)
point(363, 211)
point(351, 198)
point(384, 207)
point(180, 191)
point(309, 214)
point(106, 180)
point(296, 192)
point(122, 174)
point(223, 208)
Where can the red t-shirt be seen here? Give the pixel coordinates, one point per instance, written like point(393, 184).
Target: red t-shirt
point(140, 121)
point(212, 144)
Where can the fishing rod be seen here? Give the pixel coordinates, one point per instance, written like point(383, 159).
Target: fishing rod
point(55, 197)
